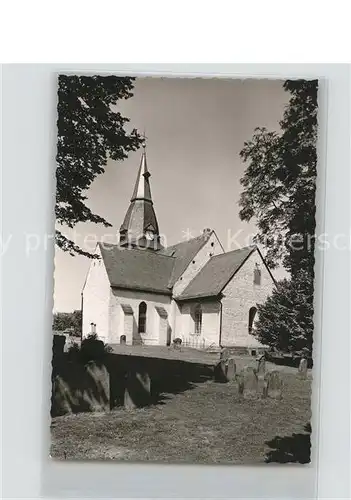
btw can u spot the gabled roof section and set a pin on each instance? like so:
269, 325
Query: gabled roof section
215, 275
183, 253
137, 269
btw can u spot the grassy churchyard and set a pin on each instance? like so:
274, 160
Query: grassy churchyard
203, 422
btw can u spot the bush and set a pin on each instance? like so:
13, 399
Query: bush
91, 349
285, 321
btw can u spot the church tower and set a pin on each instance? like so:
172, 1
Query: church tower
140, 228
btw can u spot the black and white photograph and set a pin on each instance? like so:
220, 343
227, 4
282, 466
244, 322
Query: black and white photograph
183, 318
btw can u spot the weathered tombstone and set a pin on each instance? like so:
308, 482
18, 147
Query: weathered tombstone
273, 385
302, 371
58, 345
129, 399
177, 344
240, 381
220, 372
265, 388
261, 365
224, 355
99, 389
250, 382
230, 369
137, 390
61, 397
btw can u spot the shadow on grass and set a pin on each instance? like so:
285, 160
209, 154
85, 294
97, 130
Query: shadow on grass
173, 383
295, 448
75, 390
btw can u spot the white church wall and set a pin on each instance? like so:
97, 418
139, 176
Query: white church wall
134, 298
96, 294
185, 324
210, 248
175, 320
211, 322
240, 294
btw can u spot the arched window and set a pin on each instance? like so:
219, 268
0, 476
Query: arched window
142, 317
198, 319
252, 314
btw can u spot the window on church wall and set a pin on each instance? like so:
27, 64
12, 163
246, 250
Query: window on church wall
142, 317
252, 314
198, 319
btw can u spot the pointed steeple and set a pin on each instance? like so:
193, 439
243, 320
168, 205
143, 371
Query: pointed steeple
140, 228
142, 189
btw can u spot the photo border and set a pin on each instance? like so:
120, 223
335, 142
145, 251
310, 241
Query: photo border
29, 147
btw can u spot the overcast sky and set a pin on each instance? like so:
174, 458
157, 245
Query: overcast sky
195, 129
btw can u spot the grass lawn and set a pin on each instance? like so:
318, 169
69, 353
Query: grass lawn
207, 423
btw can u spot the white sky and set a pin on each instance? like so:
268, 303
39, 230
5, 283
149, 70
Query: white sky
196, 129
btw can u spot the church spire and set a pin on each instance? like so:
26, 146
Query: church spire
140, 228
142, 187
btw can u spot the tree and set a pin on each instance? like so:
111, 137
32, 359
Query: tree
285, 320
279, 193
279, 182
64, 321
61, 321
90, 130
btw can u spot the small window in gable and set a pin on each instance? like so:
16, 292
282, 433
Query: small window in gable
257, 275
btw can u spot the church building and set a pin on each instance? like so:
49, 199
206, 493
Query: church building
139, 292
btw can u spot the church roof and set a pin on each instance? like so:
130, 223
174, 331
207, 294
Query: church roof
184, 252
148, 270
214, 276
137, 269
143, 269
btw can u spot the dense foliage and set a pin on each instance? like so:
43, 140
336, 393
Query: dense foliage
64, 321
90, 130
279, 194
286, 318
280, 181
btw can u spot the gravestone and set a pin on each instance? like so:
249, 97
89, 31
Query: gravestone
225, 370
230, 369
58, 345
273, 385
220, 372
261, 365
99, 390
250, 382
302, 371
177, 344
137, 391
240, 381
224, 356
61, 397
